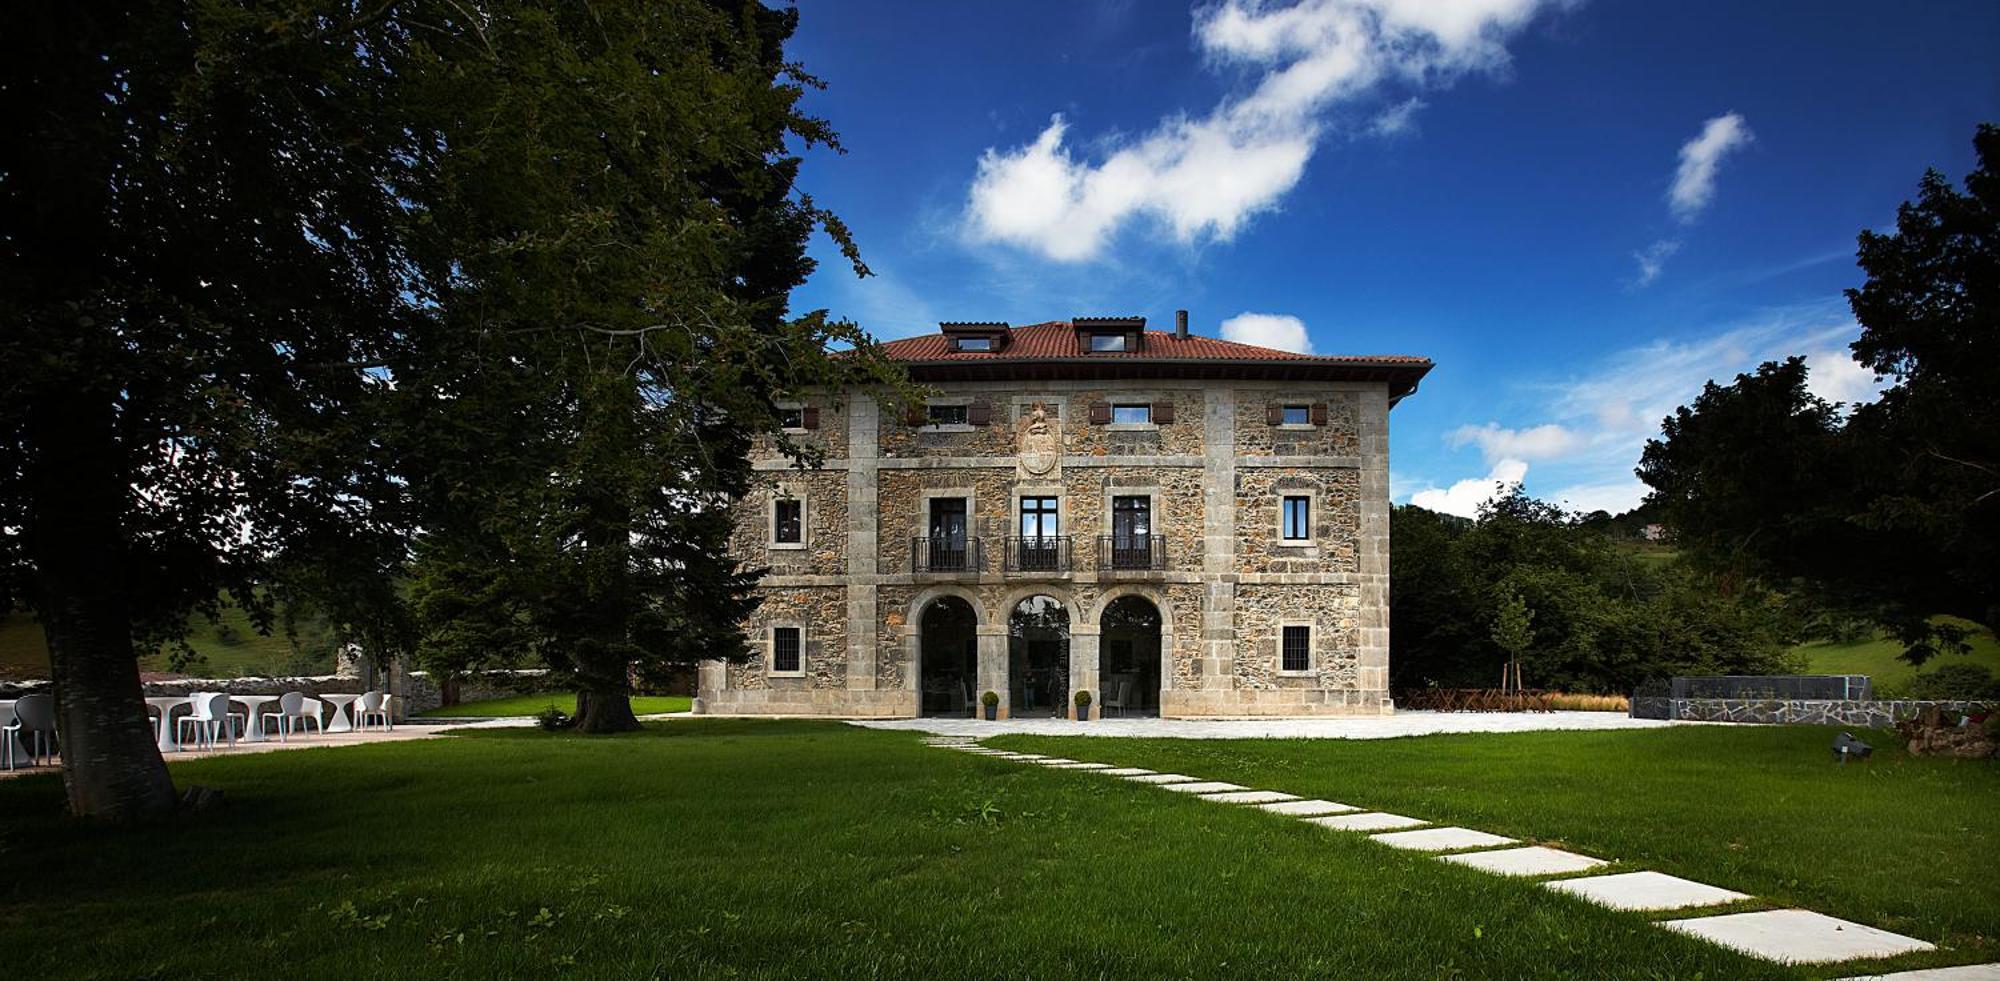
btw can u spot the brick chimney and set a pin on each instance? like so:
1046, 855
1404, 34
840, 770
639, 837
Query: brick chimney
1180, 324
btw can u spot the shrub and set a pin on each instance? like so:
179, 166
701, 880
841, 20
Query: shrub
1955, 682
1082, 698
552, 719
990, 698
1564, 702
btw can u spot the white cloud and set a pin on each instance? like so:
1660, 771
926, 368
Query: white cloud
1275, 330
1465, 497
1653, 258
1835, 376
1204, 176
1694, 179
1544, 442
1615, 496
1396, 119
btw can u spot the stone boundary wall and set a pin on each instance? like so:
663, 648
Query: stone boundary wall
1861, 714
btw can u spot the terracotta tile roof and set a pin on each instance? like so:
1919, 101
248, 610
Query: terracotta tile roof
1058, 340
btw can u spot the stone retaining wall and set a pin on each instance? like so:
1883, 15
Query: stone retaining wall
1860, 714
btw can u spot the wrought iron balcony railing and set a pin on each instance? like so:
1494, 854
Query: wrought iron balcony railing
945, 553
1132, 552
1050, 553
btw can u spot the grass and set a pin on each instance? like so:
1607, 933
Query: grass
1878, 658
229, 648
782, 849
534, 704
1900, 843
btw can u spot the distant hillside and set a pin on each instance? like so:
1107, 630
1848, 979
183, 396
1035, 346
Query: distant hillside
1877, 659
229, 648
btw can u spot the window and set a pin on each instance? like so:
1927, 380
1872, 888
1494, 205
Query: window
947, 415
975, 343
786, 650
948, 520
792, 418
1038, 517
1132, 519
1298, 415
1110, 342
1298, 519
1141, 414
1297, 655
788, 521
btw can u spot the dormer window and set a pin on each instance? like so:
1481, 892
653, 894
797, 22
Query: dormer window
1109, 335
981, 344
1103, 343
975, 336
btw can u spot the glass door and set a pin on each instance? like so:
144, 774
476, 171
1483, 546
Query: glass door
1040, 534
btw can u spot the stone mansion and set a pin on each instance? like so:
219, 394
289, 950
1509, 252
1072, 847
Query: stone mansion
1179, 525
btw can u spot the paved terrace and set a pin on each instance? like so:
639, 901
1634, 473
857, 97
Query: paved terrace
1357, 727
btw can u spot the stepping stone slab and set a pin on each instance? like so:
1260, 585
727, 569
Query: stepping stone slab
1128, 771
1796, 936
1203, 787
1307, 808
1440, 839
1532, 860
1964, 972
1163, 778
1366, 821
1645, 891
1079, 766
1029, 756
1250, 797
1053, 760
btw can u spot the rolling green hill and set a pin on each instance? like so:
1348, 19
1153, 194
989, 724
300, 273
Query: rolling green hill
1877, 659
229, 648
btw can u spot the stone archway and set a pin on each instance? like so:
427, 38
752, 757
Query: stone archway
947, 660
1131, 651
1038, 656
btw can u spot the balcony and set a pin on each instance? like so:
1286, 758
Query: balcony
1045, 554
1132, 553
946, 554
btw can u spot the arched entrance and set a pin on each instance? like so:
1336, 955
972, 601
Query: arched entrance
1038, 657
1128, 645
948, 656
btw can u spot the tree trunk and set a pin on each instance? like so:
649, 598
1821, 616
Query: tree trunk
112, 768
605, 711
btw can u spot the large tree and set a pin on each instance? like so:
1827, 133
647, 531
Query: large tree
196, 267
614, 193
1890, 511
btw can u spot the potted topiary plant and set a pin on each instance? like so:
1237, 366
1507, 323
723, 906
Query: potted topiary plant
1082, 705
992, 702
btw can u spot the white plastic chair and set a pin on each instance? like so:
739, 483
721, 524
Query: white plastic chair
291, 714
211, 717
34, 715
1124, 692
373, 705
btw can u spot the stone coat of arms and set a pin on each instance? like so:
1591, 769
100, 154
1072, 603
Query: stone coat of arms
1040, 444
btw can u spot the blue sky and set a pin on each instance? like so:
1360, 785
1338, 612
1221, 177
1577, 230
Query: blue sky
1580, 211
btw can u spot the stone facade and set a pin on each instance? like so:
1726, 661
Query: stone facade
1212, 476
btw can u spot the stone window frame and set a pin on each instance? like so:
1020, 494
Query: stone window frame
948, 427
1146, 398
771, 628
1029, 489
968, 492
1296, 427
782, 491
800, 407
1312, 648
1311, 494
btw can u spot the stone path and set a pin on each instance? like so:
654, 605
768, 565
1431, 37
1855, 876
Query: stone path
1362, 727
1790, 936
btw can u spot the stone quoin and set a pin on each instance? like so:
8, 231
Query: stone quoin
1179, 525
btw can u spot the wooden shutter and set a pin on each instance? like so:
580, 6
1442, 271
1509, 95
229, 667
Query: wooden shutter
916, 414
1100, 413
1163, 413
1274, 415
809, 417
1319, 413
979, 414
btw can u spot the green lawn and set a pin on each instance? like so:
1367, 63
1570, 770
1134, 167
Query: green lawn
1879, 660
763, 849
1899, 843
227, 649
534, 704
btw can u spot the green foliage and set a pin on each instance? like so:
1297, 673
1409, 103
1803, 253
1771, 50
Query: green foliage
1891, 512
1952, 682
989, 699
552, 719
1082, 698
1581, 611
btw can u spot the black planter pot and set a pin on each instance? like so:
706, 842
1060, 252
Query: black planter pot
992, 713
